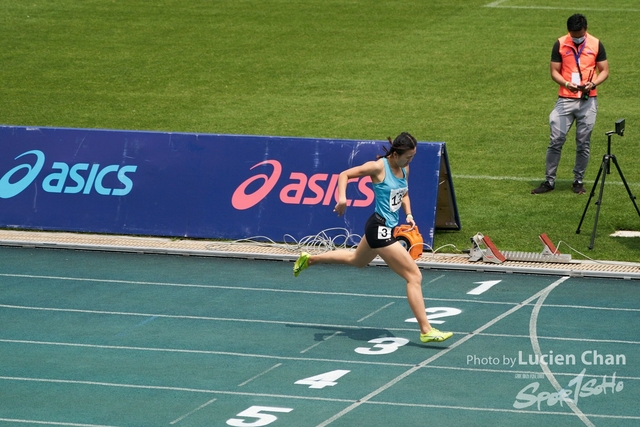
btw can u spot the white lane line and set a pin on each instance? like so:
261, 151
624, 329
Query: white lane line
269, 395
581, 339
318, 343
307, 359
513, 411
175, 316
311, 398
533, 333
194, 285
169, 388
144, 322
437, 278
204, 352
315, 325
239, 288
587, 307
177, 420
49, 423
513, 371
375, 312
277, 365
292, 291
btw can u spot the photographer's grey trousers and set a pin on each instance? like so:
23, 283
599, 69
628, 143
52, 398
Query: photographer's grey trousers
566, 111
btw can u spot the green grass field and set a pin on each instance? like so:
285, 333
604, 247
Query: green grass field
473, 76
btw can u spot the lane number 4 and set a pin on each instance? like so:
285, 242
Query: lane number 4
328, 379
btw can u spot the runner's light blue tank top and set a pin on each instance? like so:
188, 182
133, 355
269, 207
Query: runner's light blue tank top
389, 194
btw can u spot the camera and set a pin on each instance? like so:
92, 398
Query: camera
620, 127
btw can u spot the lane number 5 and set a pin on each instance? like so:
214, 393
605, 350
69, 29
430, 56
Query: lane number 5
259, 413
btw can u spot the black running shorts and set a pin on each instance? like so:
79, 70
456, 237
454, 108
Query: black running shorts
377, 233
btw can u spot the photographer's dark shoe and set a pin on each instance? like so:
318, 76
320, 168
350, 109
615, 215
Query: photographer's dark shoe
578, 188
545, 187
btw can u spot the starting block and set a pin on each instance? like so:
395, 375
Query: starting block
490, 252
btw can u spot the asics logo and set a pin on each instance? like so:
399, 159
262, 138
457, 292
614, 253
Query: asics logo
9, 189
241, 200
316, 189
78, 178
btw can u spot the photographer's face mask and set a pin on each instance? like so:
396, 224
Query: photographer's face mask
578, 36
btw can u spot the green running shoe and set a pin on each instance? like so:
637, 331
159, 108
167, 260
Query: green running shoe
301, 263
435, 335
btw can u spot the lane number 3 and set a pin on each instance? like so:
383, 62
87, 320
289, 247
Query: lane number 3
383, 345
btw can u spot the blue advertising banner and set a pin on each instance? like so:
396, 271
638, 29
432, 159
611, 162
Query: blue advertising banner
197, 185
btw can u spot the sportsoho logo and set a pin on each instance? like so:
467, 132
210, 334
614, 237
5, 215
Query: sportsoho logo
322, 186
56, 182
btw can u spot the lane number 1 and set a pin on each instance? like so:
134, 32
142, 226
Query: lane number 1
484, 287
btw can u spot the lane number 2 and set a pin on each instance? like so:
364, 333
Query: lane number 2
435, 313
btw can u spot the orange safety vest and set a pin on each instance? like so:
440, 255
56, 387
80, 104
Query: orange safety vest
588, 52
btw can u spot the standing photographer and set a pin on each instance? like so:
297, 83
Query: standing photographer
578, 65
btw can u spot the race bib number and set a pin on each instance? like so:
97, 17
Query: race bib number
384, 233
395, 199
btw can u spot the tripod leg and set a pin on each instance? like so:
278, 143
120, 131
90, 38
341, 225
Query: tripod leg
606, 165
624, 181
593, 192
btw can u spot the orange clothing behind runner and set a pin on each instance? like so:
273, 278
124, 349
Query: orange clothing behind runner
588, 57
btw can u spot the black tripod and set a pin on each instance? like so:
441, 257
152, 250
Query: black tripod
604, 170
